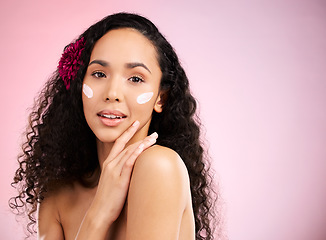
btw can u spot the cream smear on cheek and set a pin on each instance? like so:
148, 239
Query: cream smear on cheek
145, 97
87, 91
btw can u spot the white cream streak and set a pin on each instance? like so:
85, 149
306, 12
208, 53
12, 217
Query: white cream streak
87, 91
145, 97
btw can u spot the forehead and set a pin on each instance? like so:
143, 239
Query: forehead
127, 45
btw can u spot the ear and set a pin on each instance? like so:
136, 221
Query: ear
158, 107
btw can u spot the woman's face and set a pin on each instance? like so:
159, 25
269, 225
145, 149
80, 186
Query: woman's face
121, 85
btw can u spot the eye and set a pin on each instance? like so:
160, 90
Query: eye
136, 79
98, 74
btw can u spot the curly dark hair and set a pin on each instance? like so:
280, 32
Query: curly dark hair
61, 148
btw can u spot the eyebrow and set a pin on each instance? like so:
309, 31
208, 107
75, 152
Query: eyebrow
137, 64
128, 65
100, 62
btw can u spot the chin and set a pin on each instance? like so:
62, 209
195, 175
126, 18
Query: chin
107, 136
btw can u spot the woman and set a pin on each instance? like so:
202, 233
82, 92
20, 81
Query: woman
119, 82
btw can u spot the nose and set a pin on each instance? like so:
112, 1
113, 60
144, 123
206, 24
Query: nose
114, 90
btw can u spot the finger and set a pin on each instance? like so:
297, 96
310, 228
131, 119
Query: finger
150, 140
131, 153
121, 157
129, 164
125, 153
121, 141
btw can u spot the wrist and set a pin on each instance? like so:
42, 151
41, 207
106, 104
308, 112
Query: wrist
98, 218
92, 227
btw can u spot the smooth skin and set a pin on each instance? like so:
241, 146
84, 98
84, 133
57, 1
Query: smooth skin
143, 191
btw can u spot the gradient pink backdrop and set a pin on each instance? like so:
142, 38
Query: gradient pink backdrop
258, 69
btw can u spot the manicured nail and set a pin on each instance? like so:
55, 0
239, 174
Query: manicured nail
141, 146
154, 135
136, 123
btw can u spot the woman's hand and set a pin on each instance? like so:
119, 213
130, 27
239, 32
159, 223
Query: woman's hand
113, 185
116, 171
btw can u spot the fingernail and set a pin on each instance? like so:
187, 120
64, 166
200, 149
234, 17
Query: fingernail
136, 123
154, 135
141, 146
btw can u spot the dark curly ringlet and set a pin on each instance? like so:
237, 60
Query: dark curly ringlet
61, 148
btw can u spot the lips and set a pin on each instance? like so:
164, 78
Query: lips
111, 118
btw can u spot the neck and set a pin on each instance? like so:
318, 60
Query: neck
103, 151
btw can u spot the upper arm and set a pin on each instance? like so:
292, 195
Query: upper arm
157, 196
49, 227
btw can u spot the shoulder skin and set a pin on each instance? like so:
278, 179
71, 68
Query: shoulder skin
49, 226
158, 195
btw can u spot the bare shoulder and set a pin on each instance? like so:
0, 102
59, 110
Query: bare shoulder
161, 160
159, 194
160, 169
49, 223
62, 210
47, 206
53, 199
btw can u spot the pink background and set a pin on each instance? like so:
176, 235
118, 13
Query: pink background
258, 69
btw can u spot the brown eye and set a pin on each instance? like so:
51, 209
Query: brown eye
136, 79
98, 74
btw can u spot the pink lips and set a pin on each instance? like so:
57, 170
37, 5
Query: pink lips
111, 118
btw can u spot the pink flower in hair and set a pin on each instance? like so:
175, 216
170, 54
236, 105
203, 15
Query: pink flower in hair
70, 61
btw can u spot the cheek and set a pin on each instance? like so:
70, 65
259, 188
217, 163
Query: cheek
88, 91
90, 99
144, 97
141, 104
